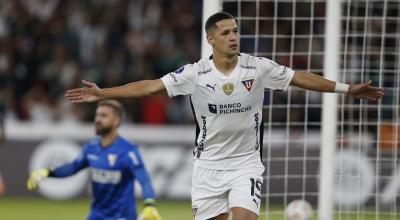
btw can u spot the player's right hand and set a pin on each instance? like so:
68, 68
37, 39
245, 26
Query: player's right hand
36, 176
149, 211
89, 93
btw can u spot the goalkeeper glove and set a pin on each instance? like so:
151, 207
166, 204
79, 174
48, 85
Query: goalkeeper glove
36, 176
150, 212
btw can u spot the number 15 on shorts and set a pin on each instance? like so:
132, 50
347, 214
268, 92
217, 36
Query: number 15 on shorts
255, 190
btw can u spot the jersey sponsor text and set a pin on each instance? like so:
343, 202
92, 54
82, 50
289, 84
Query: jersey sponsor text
106, 176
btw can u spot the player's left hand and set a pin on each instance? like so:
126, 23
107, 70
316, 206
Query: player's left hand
150, 211
366, 91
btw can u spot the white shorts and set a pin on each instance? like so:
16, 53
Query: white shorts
217, 191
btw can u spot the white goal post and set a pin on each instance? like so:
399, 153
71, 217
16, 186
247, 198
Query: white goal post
329, 110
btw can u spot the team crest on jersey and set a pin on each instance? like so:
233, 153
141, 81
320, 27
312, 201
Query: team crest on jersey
228, 88
111, 159
248, 84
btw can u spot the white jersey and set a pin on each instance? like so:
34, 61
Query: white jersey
228, 109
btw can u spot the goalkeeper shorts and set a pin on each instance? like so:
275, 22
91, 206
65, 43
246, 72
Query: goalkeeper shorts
218, 191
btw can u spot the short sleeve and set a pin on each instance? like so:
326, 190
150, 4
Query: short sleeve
274, 76
180, 82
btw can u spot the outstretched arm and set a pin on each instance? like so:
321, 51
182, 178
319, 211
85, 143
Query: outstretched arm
317, 83
62, 171
69, 168
92, 93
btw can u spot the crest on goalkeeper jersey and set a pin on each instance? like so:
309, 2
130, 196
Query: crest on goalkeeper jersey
248, 84
111, 159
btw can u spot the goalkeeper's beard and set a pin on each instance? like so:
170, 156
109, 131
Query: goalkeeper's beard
103, 131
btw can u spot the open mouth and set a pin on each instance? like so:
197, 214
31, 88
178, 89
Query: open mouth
233, 46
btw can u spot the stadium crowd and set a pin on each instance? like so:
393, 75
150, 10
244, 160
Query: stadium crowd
48, 46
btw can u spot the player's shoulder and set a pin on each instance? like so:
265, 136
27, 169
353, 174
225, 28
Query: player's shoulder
129, 151
126, 145
198, 68
203, 65
94, 142
247, 60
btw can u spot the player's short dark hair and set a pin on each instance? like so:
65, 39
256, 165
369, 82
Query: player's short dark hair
210, 23
115, 105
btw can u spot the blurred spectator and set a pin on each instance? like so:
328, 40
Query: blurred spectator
48, 46
41, 9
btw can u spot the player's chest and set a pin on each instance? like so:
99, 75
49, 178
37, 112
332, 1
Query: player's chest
105, 160
239, 86
105, 168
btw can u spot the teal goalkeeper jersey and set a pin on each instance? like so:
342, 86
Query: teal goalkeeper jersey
113, 170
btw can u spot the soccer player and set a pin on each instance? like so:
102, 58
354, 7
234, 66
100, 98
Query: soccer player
114, 164
226, 91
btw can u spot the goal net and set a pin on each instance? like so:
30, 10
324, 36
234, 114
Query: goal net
366, 170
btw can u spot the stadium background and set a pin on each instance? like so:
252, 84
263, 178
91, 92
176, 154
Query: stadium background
47, 47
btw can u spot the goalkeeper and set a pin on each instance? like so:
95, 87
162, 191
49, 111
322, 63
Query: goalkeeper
114, 164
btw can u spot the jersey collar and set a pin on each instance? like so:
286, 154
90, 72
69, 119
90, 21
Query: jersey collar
219, 73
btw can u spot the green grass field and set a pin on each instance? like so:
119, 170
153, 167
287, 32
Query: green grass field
43, 209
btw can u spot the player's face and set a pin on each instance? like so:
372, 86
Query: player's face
106, 120
225, 37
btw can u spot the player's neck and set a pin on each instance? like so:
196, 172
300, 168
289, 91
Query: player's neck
225, 64
108, 139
